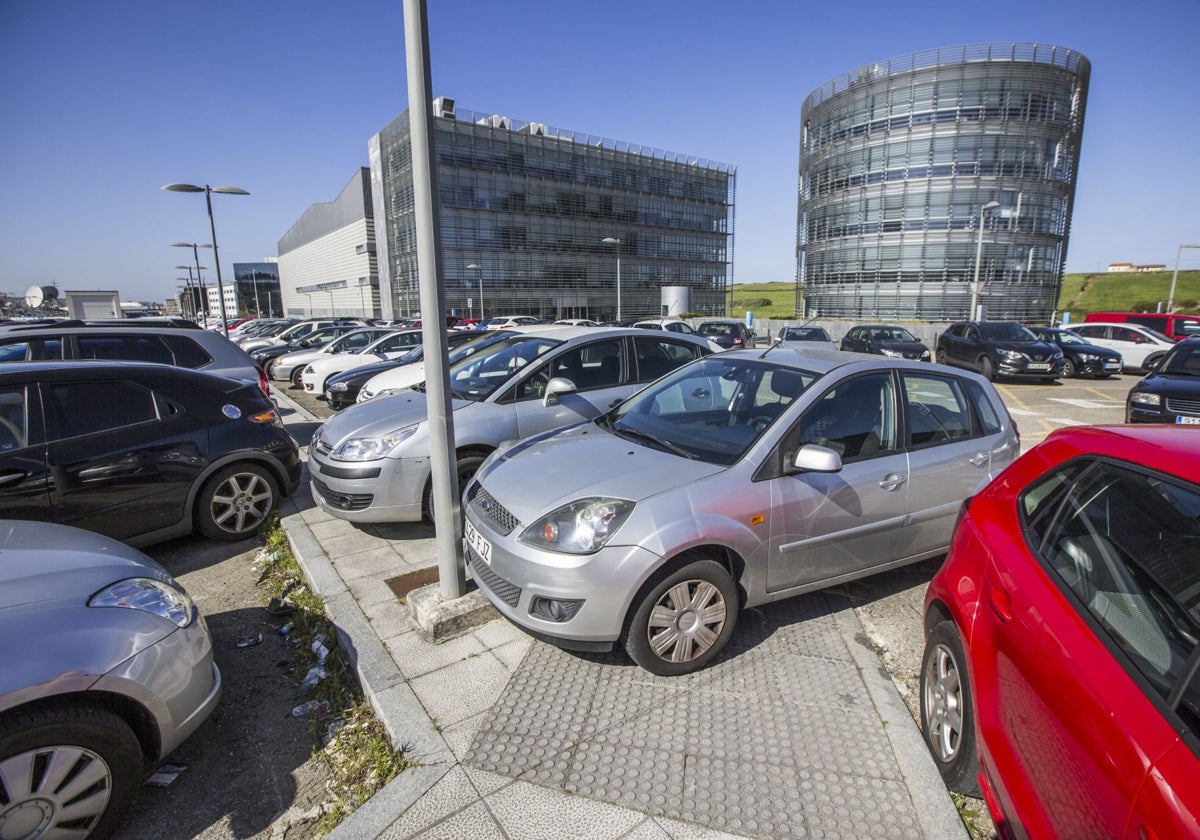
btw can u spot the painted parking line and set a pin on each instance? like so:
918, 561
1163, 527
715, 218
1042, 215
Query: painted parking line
1109, 403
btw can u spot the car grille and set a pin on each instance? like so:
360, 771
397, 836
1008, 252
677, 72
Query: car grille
486, 505
1178, 406
320, 445
342, 501
483, 574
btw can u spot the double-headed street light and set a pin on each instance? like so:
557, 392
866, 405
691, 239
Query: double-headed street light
991, 205
610, 240
208, 191
479, 268
1175, 275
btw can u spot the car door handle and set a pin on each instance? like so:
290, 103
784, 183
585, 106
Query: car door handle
979, 459
892, 481
11, 477
1001, 603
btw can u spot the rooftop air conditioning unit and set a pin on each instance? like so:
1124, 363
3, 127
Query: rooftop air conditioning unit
443, 106
534, 128
497, 121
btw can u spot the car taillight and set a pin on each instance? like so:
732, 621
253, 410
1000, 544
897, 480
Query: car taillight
737, 341
263, 382
270, 416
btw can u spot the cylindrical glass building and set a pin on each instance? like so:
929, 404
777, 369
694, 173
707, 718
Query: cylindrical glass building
940, 179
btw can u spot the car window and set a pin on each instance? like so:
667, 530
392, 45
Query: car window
477, 376
596, 364
985, 410
141, 348
856, 418
32, 350
188, 353
936, 408
657, 356
14, 422
400, 341
1183, 360
84, 408
1127, 544
1126, 334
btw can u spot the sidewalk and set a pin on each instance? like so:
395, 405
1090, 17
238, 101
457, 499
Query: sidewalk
796, 731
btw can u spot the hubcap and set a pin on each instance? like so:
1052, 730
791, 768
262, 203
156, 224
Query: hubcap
687, 621
943, 704
241, 503
52, 792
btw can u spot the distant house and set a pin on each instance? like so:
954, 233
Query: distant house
1136, 268
1120, 266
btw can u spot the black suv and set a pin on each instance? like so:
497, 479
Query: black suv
999, 348
140, 452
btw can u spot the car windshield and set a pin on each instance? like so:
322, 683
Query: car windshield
893, 334
1066, 337
485, 368
1182, 361
804, 334
718, 329
1005, 331
712, 409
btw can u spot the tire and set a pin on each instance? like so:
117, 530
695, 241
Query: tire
1069, 369
653, 637
941, 357
235, 502
468, 462
948, 710
986, 370
298, 377
93, 741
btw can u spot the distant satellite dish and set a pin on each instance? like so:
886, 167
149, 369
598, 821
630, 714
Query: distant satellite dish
35, 296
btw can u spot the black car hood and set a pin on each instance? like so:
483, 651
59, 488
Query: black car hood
1090, 349
906, 347
1170, 385
1039, 351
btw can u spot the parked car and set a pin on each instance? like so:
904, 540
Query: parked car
190, 348
267, 330
668, 324
999, 348
290, 366
885, 340
805, 338
390, 345
140, 452
343, 389
108, 668
390, 382
728, 334
506, 322
1140, 347
739, 479
264, 356
1170, 393
576, 322
1173, 325
298, 331
371, 462
1079, 357
1059, 673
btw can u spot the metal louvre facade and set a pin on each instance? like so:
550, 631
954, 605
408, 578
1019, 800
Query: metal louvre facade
899, 163
525, 209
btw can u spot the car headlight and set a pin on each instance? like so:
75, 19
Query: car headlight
308, 369
338, 386
147, 595
1011, 355
372, 448
1142, 398
1088, 357
895, 354
925, 356
581, 527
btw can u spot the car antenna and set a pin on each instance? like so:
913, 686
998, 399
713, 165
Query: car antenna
779, 340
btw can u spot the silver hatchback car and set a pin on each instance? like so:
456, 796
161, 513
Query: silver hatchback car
742, 478
371, 462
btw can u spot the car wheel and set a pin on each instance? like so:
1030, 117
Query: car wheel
1069, 369
985, 368
941, 357
70, 770
236, 501
468, 462
947, 711
298, 377
683, 620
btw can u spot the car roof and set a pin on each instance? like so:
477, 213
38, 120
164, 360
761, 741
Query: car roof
821, 361
73, 327
88, 369
1169, 449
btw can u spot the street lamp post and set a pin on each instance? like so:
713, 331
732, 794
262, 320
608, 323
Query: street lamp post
1175, 275
609, 240
212, 227
199, 279
991, 205
185, 295
479, 268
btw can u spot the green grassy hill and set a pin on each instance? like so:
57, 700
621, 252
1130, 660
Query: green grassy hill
1081, 294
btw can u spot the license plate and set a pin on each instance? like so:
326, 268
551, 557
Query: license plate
477, 541
1039, 366
1111, 365
1187, 421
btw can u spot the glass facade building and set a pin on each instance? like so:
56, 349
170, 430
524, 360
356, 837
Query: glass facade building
257, 288
911, 168
525, 212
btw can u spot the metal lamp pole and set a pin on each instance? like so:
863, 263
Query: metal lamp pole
1175, 275
609, 240
991, 205
212, 227
479, 268
199, 280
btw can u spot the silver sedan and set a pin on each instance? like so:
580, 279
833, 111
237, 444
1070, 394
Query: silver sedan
739, 479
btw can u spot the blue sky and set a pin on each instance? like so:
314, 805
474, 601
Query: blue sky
104, 103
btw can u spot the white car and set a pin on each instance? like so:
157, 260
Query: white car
295, 332
290, 366
1140, 347
510, 322
805, 338
391, 345
669, 324
576, 322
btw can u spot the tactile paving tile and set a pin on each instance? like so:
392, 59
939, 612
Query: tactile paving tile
777, 738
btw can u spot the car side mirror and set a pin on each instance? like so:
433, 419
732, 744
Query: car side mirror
555, 387
813, 458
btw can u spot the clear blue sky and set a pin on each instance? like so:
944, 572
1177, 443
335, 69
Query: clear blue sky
104, 102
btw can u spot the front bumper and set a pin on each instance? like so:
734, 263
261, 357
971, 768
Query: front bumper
1172, 411
386, 490
1102, 367
1026, 370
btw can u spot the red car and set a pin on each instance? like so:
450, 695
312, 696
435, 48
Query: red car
1060, 671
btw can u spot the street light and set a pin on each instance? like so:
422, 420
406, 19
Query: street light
609, 240
199, 278
208, 191
991, 205
188, 279
479, 268
1175, 275
186, 303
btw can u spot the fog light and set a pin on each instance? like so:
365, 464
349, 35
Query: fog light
557, 610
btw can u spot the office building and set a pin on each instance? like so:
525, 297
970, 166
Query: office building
256, 288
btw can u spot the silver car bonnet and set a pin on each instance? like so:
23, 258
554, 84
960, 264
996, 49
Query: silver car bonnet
376, 417
532, 479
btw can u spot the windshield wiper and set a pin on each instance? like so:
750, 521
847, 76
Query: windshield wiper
625, 431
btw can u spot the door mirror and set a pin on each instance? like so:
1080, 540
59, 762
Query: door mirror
814, 458
555, 387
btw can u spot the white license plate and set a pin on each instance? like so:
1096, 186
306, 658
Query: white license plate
1038, 366
1187, 421
477, 541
